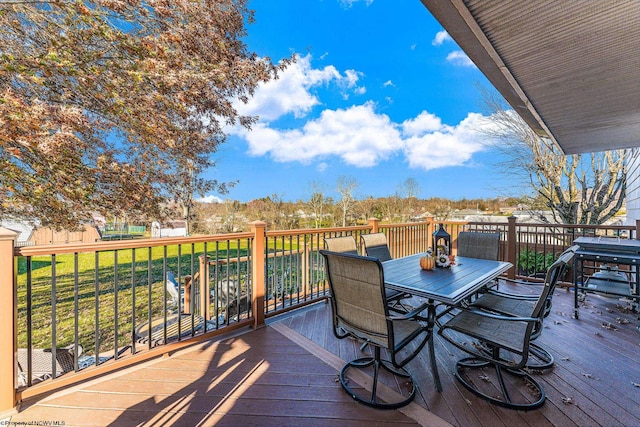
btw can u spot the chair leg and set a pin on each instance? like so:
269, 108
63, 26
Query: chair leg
372, 399
504, 399
539, 358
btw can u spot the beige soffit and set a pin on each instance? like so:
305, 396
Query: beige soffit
570, 68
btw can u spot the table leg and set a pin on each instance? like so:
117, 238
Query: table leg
431, 320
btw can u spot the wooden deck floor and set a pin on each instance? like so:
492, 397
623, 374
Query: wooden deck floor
595, 381
285, 374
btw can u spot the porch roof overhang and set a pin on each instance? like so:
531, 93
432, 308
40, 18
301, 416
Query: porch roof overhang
571, 70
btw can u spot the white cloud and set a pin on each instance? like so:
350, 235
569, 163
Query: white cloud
430, 148
351, 78
210, 199
363, 138
424, 123
358, 135
441, 37
348, 3
458, 57
292, 93
388, 83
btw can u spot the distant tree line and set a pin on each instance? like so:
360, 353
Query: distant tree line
325, 211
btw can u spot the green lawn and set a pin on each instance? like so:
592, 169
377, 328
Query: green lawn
111, 289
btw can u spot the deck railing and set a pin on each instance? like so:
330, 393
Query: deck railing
109, 304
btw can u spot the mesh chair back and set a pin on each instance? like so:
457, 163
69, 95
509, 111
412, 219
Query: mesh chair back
357, 290
478, 245
344, 244
554, 274
375, 245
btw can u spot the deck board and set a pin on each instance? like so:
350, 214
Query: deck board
592, 383
258, 378
285, 374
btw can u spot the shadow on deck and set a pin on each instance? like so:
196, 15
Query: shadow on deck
286, 374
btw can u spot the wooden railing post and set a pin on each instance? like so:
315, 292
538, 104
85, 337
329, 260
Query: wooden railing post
258, 229
8, 321
638, 229
374, 224
511, 247
204, 286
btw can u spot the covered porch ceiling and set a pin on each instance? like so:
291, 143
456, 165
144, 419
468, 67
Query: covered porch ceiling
571, 69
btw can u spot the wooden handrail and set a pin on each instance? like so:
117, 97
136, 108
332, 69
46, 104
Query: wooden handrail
124, 244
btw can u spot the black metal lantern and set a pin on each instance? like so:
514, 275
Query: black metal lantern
441, 241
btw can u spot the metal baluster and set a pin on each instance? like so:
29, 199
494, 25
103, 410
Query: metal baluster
217, 287
133, 302
150, 295
164, 294
29, 323
96, 337
53, 316
179, 282
115, 304
250, 278
75, 311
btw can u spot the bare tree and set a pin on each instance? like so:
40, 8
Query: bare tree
442, 210
345, 187
391, 207
408, 192
317, 203
231, 220
366, 208
577, 189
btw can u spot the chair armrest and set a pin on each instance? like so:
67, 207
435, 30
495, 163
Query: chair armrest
523, 284
527, 297
412, 314
484, 313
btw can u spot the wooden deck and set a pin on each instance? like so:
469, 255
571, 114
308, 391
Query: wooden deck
285, 374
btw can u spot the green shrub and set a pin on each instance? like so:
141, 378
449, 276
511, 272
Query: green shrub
532, 263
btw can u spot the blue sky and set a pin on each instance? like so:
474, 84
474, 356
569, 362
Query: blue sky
379, 94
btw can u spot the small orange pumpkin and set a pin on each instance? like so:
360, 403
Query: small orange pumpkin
427, 263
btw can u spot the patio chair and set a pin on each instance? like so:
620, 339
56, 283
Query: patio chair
474, 244
521, 303
375, 245
505, 343
342, 244
360, 311
173, 289
42, 363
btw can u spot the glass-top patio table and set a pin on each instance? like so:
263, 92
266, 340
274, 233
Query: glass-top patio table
449, 285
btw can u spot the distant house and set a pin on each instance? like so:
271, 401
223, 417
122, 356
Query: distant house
176, 228
24, 230
34, 235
